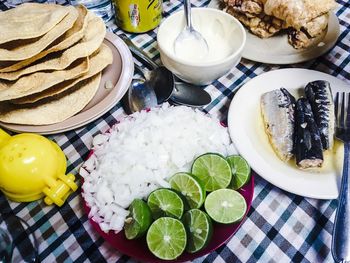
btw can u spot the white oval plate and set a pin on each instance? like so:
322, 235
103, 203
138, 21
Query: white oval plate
277, 50
247, 132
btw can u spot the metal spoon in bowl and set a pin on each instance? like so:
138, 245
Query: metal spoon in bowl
180, 92
190, 40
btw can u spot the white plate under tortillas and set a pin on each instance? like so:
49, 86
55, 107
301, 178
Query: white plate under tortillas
119, 74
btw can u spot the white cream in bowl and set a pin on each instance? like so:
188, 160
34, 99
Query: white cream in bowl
225, 37
214, 32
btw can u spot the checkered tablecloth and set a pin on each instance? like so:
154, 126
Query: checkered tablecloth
280, 227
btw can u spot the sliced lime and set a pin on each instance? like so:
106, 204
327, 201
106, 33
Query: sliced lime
189, 187
199, 229
139, 219
240, 171
213, 170
165, 202
225, 206
166, 238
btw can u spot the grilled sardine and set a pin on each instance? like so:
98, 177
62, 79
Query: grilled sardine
308, 145
277, 108
320, 97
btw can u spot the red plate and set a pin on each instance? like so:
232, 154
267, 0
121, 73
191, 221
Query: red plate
138, 249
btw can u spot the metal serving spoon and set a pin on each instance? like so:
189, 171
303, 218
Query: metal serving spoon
189, 95
189, 37
142, 92
181, 93
141, 95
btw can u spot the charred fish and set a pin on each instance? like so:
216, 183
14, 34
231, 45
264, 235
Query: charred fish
308, 145
320, 97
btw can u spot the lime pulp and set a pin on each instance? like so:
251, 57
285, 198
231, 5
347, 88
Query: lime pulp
199, 229
240, 171
165, 202
213, 170
225, 206
189, 187
166, 238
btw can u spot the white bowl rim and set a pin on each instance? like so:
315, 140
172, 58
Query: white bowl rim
205, 64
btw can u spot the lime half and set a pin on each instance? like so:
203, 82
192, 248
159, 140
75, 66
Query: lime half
225, 206
199, 229
240, 171
166, 238
189, 187
139, 219
213, 170
165, 202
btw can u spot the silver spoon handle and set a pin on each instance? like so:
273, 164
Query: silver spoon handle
341, 230
139, 53
139, 69
143, 71
187, 7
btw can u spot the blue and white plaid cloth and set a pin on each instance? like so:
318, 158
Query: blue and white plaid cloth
280, 227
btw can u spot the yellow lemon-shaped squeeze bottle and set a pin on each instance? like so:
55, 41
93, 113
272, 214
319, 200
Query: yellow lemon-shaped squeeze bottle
32, 167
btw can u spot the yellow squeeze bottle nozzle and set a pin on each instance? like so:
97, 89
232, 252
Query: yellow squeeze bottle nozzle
59, 190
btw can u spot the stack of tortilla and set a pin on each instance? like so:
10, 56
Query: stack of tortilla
51, 59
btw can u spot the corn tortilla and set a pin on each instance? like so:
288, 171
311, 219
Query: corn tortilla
68, 39
53, 111
40, 81
32, 19
98, 62
91, 41
20, 49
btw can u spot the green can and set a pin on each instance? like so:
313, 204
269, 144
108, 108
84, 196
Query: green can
138, 16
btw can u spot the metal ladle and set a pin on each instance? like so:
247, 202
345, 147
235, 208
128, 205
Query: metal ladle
180, 92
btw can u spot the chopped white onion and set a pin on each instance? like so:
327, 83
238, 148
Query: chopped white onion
139, 155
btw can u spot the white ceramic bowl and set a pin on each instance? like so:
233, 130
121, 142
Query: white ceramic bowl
218, 28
